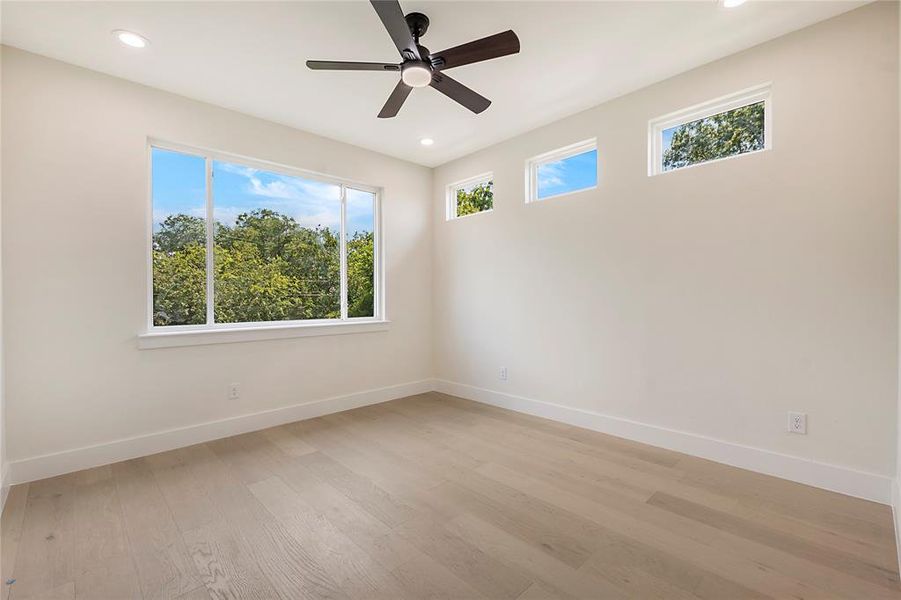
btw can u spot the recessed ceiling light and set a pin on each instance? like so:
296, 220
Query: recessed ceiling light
426, 141
732, 3
131, 39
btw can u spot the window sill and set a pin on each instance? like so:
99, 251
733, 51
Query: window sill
253, 333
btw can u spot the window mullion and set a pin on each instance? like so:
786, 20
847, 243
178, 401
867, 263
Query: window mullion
343, 252
210, 300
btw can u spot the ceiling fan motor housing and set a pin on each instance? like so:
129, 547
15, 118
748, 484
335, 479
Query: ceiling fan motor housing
418, 24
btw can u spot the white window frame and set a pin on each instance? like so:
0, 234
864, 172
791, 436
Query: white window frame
563, 153
157, 336
746, 97
451, 192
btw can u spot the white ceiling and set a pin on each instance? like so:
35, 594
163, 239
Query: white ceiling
249, 56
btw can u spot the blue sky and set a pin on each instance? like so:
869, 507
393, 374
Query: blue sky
668, 137
179, 187
567, 175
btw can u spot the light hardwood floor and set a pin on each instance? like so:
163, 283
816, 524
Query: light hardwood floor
436, 497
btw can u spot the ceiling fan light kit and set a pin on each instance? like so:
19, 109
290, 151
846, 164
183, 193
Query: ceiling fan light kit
421, 68
416, 74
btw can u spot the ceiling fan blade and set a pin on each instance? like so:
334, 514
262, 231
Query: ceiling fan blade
395, 100
392, 17
493, 46
335, 65
458, 92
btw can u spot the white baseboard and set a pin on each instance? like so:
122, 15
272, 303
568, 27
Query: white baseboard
870, 486
860, 484
59, 463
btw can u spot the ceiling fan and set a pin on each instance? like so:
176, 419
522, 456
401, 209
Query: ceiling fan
421, 68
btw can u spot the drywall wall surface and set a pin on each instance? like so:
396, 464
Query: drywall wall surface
710, 300
75, 210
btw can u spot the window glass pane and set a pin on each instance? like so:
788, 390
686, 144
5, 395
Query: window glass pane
475, 198
178, 184
276, 246
718, 136
360, 253
568, 175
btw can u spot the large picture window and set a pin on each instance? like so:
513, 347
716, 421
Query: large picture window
722, 128
240, 242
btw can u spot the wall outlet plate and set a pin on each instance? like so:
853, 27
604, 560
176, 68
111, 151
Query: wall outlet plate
234, 391
502, 374
797, 422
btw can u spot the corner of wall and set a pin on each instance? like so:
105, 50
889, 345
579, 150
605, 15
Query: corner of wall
4, 465
896, 484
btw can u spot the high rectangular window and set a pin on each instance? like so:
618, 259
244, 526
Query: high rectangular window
723, 128
237, 242
567, 170
470, 196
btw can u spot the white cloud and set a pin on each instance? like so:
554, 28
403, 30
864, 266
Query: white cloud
237, 169
308, 202
550, 174
283, 187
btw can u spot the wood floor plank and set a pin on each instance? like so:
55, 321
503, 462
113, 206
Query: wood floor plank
438, 497
200, 593
45, 561
567, 537
594, 478
11, 530
372, 535
384, 506
785, 574
65, 591
288, 441
223, 565
424, 578
358, 575
164, 568
212, 540
187, 498
480, 570
379, 464
103, 564
648, 572
542, 567
291, 570
823, 555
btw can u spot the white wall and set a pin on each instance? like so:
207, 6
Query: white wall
711, 300
896, 488
74, 251
4, 484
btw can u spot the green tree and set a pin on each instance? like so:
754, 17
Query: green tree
266, 229
179, 286
177, 232
252, 289
477, 199
267, 267
718, 136
292, 270
360, 271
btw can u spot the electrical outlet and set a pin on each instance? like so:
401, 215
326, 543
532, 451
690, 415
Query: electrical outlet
502, 374
797, 422
234, 391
